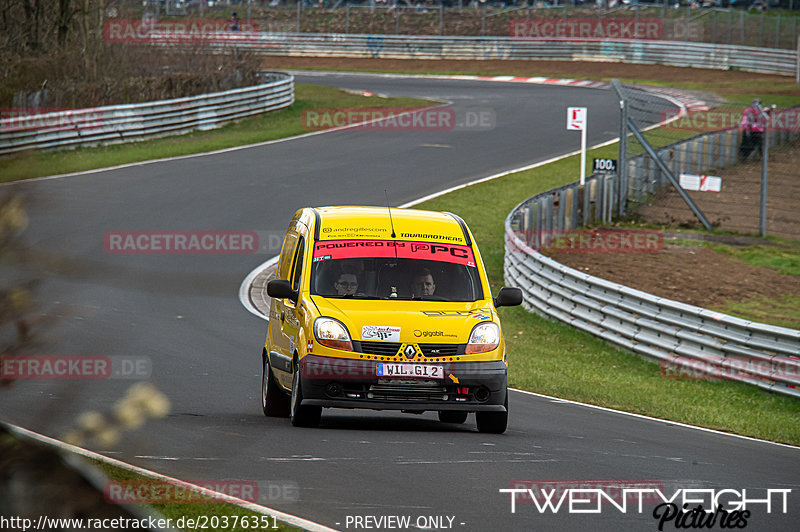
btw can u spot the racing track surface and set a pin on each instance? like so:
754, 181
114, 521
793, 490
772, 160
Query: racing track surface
182, 313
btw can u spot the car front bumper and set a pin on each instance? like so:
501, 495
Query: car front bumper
349, 383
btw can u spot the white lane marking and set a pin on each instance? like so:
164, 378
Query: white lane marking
244, 288
665, 421
300, 459
281, 516
477, 461
176, 458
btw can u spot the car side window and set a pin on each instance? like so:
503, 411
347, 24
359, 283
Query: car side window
298, 264
287, 255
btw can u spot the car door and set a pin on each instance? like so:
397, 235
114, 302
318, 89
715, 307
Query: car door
285, 322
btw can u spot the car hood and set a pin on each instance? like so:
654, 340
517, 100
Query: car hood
406, 321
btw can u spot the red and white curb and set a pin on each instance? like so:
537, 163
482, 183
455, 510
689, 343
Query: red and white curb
687, 102
538, 80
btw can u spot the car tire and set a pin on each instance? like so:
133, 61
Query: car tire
452, 416
493, 422
302, 416
274, 402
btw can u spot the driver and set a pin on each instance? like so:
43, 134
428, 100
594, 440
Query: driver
423, 283
346, 284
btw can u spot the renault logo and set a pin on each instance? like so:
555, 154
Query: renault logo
410, 351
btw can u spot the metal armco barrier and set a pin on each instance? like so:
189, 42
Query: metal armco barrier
671, 53
671, 332
123, 123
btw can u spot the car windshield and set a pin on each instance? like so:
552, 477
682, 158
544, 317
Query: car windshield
389, 269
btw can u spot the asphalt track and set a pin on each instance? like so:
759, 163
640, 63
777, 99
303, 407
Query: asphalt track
181, 313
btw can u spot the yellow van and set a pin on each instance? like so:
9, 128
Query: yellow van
384, 309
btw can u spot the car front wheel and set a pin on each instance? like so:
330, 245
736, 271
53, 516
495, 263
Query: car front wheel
302, 416
274, 402
493, 422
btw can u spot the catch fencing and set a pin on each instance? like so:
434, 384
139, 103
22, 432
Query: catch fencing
124, 123
710, 25
668, 331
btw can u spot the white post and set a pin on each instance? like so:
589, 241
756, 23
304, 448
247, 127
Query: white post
583, 154
797, 78
577, 117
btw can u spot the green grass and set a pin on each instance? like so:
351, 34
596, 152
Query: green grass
556, 359
268, 126
783, 312
779, 254
783, 255
198, 511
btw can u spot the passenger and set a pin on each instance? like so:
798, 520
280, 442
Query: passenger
423, 283
346, 284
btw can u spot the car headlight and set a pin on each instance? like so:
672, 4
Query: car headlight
485, 337
332, 333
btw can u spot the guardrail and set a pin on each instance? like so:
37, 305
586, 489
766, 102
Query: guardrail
668, 331
671, 53
123, 123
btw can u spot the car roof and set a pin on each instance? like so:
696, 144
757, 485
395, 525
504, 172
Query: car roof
374, 223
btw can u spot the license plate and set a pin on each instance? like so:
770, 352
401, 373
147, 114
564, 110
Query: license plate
410, 371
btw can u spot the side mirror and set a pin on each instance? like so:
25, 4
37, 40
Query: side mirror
509, 296
281, 289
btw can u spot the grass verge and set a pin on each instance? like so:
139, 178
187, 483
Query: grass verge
268, 126
783, 255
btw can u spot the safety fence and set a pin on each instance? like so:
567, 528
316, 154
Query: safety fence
123, 123
545, 19
683, 54
666, 330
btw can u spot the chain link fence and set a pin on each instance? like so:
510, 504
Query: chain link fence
723, 181
521, 19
